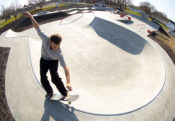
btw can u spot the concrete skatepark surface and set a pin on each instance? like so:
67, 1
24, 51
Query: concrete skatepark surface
118, 71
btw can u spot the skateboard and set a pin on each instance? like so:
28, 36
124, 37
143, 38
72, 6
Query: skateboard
59, 97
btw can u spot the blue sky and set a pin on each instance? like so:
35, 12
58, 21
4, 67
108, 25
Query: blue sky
165, 6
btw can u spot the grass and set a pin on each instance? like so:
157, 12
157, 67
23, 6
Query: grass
132, 12
12, 19
63, 5
149, 19
4, 23
1, 21
49, 7
37, 10
169, 41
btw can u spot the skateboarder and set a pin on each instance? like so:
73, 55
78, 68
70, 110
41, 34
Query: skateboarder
51, 55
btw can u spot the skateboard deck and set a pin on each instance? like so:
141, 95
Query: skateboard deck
73, 97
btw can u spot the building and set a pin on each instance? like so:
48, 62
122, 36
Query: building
171, 25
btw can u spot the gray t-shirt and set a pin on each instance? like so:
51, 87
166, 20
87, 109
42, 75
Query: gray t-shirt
47, 53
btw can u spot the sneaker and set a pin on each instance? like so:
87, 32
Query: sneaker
67, 97
48, 95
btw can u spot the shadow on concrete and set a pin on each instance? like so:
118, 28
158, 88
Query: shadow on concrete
58, 111
128, 22
71, 21
119, 36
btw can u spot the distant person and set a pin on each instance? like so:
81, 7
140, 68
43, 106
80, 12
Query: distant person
51, 55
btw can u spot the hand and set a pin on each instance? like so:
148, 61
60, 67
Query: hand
69, 86
28, 14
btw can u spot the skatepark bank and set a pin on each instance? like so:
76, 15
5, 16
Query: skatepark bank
140, 59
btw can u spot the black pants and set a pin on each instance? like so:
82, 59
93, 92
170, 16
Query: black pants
51, 65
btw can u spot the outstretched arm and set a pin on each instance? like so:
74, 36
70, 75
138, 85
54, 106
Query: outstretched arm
34, 22
66, 69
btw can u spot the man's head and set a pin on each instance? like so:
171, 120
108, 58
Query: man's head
55, 41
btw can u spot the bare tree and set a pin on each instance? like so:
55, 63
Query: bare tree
41, 3
124, 3
151, 10
9, 11
160, 16
147, 7
6, 12
14, 7
3, 12
33, 1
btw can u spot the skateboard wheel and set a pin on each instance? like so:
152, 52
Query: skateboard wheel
69, 103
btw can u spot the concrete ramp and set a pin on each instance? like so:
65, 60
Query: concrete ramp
11, 33
116, 69
24, 95
109, 64
20, 83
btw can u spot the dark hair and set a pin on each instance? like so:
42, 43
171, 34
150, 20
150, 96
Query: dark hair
56, 38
